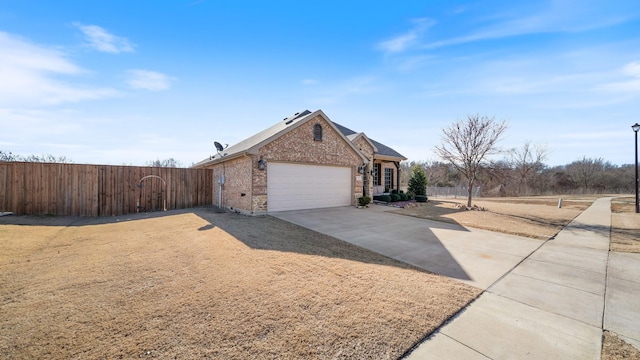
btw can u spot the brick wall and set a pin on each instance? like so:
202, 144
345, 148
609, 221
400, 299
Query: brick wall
237, 173
298, 146
367, 150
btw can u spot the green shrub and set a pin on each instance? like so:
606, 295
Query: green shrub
421, 198
385, 198
364, 201
394, 191
395, 197
418, 181
403, 197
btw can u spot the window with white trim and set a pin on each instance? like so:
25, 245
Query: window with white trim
377, 172
388, 178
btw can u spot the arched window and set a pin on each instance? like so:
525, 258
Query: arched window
317, 132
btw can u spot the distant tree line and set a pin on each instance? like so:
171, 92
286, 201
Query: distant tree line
467, 149
171, 162
509, 178
48, 158
44, 158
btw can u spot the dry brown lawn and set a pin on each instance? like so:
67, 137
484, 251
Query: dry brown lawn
196, 284
625, 225
535, 217
614, 348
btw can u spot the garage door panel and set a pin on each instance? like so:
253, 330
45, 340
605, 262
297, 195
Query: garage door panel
295, 186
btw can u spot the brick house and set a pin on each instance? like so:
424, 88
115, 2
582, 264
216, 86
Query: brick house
305, 161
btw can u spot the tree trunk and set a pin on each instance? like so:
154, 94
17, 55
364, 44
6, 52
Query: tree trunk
470, 192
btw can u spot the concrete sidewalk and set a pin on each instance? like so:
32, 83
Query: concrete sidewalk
552, 305
622, 303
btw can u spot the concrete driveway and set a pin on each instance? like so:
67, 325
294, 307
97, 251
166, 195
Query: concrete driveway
476, 257
543, 300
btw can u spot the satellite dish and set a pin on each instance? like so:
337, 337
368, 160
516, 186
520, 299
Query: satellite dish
220, 148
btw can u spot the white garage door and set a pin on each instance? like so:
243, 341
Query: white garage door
295, 187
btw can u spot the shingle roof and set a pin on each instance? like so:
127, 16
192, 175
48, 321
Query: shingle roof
381, 148
248, 143
266, 135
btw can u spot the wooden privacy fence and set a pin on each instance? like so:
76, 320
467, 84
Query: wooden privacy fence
99, 190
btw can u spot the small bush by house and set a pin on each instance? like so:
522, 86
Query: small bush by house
364, 201
385, 198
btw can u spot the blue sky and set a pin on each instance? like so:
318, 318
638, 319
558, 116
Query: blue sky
126, 82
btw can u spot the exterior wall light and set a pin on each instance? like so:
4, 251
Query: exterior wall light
261, 163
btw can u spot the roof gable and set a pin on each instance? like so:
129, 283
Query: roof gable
252, 144
354, 137
380, 149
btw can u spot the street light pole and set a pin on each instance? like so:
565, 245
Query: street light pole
635, 128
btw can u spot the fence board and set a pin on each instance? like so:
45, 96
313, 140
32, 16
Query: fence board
19, 178
59, 191
3, 189
98, 190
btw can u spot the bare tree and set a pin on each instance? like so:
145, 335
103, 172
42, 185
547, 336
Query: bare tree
8, 156
527, 161
586, 171
171, 162
48, 158
466, 144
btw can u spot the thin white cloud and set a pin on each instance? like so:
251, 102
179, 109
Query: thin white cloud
101, 40
309, 81
412, 63
400, 43
558, 16
30, 75
352, 87
594, 135
403, 42
632, 85
27, 128
632, 69
149, 80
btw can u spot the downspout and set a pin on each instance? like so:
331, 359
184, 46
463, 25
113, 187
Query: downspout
221, 180
213, 186
251, 208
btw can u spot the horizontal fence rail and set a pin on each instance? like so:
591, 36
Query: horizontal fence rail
99, 190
